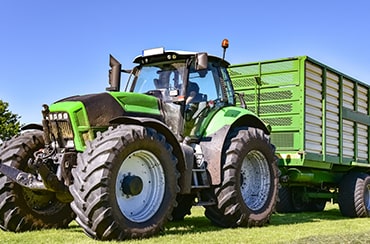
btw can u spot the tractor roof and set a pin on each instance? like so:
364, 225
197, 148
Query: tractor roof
160, 55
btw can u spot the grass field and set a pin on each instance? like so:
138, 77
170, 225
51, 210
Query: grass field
324, 227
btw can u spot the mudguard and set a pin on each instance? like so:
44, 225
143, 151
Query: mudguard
216, 131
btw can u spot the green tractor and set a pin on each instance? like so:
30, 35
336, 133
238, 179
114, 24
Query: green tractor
123, 163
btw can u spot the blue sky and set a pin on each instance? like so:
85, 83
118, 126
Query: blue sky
54, 49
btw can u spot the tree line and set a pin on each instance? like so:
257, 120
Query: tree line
9, 122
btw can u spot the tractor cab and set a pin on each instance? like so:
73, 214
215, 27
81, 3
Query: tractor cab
187, 85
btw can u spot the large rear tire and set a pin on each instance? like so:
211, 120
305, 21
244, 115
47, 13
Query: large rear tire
248, 192
354, 195
22, 209
125, 184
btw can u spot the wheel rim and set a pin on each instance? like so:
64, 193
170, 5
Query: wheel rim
367, 197
255, 180
146, 178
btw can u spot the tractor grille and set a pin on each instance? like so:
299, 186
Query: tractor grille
60, 128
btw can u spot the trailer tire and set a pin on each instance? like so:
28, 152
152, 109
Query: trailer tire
354, 195
22, 209
183, 208
249, 188
125, 184
284, 203
316, 205
291, 200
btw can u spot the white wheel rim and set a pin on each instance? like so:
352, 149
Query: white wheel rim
255, 180
367, 197
146, 166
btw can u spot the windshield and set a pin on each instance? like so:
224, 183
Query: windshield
165, 80
163, 77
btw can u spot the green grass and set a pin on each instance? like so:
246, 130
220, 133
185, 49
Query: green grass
325, 227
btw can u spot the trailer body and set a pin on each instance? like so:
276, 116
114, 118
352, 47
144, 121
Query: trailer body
319, 119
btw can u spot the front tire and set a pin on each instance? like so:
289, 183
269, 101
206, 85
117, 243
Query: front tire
125, 184
23, 209
248, 191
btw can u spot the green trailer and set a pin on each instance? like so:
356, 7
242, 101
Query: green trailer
320, 121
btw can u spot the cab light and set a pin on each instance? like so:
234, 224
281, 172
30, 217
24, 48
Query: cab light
153, 51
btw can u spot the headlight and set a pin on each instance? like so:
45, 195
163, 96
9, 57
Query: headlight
57, 116
70, 144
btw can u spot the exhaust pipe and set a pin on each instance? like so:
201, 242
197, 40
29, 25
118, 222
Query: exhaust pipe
114, 74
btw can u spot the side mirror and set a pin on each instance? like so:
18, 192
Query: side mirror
114, 74
201, 61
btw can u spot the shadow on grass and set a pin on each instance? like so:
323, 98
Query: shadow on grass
191, 224
305, 217
200, 224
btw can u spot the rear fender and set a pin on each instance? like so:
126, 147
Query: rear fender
212, 144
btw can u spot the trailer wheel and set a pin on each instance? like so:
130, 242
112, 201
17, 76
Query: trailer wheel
248, 191
22, 209
354, 195
183, 208
285, 204
292, 200
125, 184
316, 205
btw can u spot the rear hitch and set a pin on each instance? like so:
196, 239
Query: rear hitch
22, 178
49, 182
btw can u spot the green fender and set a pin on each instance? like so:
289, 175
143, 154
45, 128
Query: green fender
216, 131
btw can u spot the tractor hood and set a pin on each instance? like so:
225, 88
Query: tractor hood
101, 108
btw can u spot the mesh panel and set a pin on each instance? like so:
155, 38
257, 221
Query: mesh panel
242, 70
278, 95
243, 82
278, 79
278, 66
278, 108
283, 140
249, 97
279, 121
269, 96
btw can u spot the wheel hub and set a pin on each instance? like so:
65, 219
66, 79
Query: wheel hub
140, 186
132, 185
